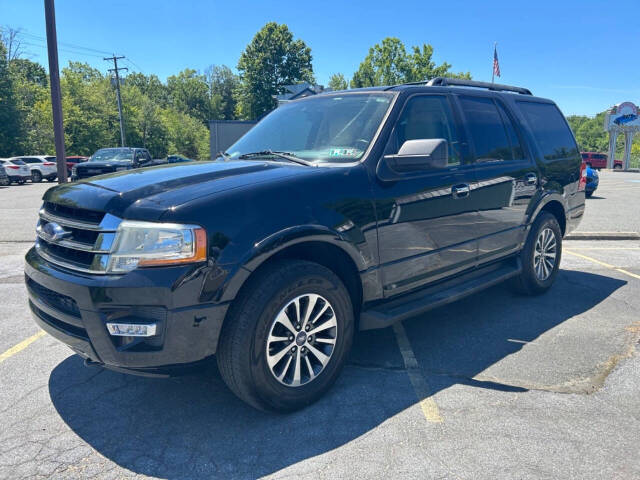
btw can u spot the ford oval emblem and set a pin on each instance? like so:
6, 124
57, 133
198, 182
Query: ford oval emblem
54, 232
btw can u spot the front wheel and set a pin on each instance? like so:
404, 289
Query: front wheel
287, 336
36, 176
540, 256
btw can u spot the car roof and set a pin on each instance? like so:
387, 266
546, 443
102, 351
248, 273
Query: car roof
447, 85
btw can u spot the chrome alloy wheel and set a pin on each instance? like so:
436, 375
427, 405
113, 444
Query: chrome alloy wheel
545, 254
301, 340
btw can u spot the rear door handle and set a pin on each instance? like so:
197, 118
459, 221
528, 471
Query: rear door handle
459, 191
532, 179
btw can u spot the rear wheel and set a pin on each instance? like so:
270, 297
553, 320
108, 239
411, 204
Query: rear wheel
286, 338
36, 176
588, 194
617, 166
540, 256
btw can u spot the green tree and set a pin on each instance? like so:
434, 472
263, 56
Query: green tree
186, 135
272, 60
337, 82
189, 93
388, 63
223, 84
10, 121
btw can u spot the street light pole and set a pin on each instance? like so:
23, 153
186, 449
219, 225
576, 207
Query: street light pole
56, 97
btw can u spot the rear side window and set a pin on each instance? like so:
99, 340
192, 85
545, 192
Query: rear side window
17, 162
550, 130
487, 129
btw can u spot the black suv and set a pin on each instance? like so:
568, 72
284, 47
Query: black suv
340, 212
107, 160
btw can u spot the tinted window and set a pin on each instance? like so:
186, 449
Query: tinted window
487, 129
516, 146
426, 117
17, 162
550, 130
30, 160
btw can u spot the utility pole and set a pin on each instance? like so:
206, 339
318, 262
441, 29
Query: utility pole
56, 101
116, 69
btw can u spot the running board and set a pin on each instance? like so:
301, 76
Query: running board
386, 314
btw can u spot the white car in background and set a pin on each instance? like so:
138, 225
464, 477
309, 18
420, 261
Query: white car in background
41, 167
16, 170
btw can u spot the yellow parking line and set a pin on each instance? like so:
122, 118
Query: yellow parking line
21, 346
621, 270
428, 405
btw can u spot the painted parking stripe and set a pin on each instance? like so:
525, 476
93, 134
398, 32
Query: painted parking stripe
21, 346
428, 405
621, 270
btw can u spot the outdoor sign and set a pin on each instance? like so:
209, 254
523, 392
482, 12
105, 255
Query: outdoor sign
621, 119
622, 115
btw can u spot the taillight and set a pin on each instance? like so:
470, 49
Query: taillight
13, 167
48, 164
583, 177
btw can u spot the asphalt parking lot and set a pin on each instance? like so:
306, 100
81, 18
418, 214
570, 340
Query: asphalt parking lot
494, 386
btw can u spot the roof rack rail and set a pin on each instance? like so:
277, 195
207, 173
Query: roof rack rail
458, 82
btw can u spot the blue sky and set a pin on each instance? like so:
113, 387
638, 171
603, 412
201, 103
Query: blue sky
579, 53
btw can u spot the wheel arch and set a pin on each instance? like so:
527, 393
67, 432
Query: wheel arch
553, 204
315, 244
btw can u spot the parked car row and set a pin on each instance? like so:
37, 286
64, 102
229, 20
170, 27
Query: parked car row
106, 160
34, 167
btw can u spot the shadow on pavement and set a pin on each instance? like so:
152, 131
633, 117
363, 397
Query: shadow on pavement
192, 426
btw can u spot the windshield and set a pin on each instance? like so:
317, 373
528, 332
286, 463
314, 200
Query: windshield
324, 128
112, 155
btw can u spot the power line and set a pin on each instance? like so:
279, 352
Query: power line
72, 45
66, 50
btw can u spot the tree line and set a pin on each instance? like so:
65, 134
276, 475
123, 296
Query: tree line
173, 116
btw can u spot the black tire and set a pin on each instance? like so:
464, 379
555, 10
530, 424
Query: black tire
242, 348
21, 182
617, 167
588, 194
528, 282
36, 176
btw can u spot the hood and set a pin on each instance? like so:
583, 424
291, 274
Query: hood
149, 192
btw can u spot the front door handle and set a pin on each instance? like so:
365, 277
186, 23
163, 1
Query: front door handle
459, 191
531, 178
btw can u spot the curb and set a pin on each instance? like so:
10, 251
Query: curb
603, 236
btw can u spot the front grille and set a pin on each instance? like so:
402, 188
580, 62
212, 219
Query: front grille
74, 213
86, 172
55, 300
74, 238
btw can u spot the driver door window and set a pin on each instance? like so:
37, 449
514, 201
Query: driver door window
427, 117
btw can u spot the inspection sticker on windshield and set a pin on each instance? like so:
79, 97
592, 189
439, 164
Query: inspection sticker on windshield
344, 152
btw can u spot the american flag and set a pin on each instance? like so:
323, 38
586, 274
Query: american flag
496, 65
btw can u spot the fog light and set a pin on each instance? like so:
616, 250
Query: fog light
131, 329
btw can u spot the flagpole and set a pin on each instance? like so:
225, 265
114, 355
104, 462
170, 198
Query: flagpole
493, 68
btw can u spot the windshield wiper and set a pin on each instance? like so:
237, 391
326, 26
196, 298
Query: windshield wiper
225, 156
286, 155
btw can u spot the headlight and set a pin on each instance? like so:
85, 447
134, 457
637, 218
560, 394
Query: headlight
148, 244
74, 170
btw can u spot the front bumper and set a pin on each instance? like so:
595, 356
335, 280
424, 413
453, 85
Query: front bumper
75, 308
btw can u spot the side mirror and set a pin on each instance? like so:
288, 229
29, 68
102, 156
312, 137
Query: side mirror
420, 155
